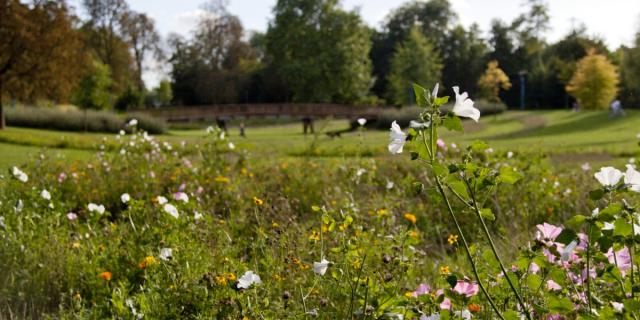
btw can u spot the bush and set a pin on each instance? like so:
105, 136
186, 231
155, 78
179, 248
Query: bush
74, 120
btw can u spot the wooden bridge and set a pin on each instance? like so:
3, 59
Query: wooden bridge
243, 111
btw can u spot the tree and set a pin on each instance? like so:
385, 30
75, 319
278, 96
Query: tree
595, 81
464, 58
141, 35
40, 51
321, 52
105, 38
414, 61
492, 81
630, 73
93, 90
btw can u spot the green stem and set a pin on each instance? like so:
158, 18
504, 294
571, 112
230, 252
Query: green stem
588, 280
495, 252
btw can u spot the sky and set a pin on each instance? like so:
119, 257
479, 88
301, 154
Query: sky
615, 21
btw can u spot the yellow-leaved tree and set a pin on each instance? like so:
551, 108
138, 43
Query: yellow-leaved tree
595, 82
492, 81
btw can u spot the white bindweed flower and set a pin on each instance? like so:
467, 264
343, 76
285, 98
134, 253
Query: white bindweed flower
95, 208
397, 138
125, 197
45, 194
171, 209
362, 121
608, 176
632, 178
161, 200
19, 174
133, 122
321, 267
166, 254
464, 106
248, 278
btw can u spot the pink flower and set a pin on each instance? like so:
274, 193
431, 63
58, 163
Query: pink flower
467, 289
534, 268
553, 286
547, 232
446, 304
555, 316
72, 216
61, 177
622, 259
550, 256
441, 144
422, 289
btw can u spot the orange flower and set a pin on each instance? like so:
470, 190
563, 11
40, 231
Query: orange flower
105, 275
474, 308
410, 217
147, 262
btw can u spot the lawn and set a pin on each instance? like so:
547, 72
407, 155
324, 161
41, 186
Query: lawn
565, 135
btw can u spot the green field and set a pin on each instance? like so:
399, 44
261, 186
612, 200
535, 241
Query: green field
566, 135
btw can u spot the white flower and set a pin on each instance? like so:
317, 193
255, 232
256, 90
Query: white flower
466, 314
362, 121
210, 129
247, 279
566, 253
171, 209
419, 125
19, 205
161, 200
45, 194
397, 138
608, 226
122, 133
586, 167
434, 93
434, 316
181, 196
95, 208
389, 185
595, 212
197, 215
608, 176
617, 306
321, 267
231, 146
632, 178
509, 154
464, 106
133, 122
19, 174
360, 172
166, 254
125, 197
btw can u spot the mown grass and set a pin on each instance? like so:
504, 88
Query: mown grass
568, 135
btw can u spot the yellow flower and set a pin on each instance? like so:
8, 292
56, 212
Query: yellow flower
149, 260
222, 179
304, 266
382, 212
408, 294
413, 234
410, 217
445, 270
244, 170
315, 235
229, 276
277, 277
274, 224
221, 280
453, 239
258, 201
105, 275
75, 245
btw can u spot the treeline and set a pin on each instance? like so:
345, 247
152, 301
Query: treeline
312, 51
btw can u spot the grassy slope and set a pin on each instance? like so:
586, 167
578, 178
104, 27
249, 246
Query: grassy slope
556, 132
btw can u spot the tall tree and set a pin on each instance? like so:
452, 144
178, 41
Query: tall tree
40, 51
415, 61
464, 58
595, 81
104, 36
630, 73
492, 81
140, 33
321, 51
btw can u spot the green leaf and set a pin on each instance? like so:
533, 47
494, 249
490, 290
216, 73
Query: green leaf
479, 146
415, 155
596, 195
560, 304
608, 213
576, 221
452, 280
487, 214
622, 228
420, 94
440, 170
511, 315
533, 281
441, 100
459, 187
566, 236
509, 175
631, 305
452, 123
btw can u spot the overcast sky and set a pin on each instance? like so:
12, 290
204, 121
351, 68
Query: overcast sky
615, 21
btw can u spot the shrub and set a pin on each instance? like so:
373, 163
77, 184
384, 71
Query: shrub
595, 82
73, 120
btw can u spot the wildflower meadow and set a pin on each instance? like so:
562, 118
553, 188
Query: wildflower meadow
207, 230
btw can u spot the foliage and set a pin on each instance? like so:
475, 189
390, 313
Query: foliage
70, 120
415, 60
630, 74
93, 91
595, 82
160, 96
320, 52
141, 34
492, 81
129, 99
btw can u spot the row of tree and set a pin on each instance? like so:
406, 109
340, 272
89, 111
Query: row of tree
313, 51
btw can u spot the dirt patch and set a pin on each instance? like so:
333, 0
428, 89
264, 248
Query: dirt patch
561, 159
